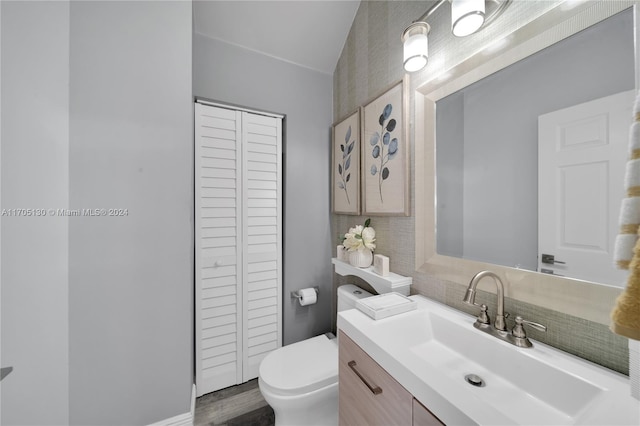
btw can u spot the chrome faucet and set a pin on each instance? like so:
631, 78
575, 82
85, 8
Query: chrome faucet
470, 297
517, 336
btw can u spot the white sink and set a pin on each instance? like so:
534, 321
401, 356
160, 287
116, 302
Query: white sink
431, 350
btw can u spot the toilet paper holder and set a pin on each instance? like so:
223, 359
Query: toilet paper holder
296, 295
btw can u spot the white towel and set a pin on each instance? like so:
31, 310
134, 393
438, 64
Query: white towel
632, 174
623, 251
630, 208
634, 138
630, 212
625, 316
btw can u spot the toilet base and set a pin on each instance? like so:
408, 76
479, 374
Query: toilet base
317, 408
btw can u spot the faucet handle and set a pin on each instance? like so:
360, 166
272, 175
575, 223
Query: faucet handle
518, 329
483, 317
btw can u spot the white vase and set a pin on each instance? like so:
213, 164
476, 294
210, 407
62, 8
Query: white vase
360, 258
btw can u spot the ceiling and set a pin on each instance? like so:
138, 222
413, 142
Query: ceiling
309, 33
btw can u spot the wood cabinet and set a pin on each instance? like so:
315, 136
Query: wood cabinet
238, 244
368, 395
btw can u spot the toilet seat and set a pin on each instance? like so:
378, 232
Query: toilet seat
301, 367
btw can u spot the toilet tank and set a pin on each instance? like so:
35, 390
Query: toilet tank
348, 294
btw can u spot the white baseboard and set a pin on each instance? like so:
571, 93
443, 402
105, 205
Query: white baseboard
185, 419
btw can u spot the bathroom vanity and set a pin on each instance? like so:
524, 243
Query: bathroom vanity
431, 366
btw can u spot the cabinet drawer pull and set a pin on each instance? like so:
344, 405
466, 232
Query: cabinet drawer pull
376, 390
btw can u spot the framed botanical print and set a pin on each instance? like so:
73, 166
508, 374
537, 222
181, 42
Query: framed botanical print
345, 165
385, 155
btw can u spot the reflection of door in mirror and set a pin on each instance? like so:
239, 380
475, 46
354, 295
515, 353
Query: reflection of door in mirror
581, 155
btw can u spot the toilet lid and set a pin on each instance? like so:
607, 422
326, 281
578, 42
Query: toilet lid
301, 367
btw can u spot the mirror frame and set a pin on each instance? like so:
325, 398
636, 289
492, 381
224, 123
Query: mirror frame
583, 299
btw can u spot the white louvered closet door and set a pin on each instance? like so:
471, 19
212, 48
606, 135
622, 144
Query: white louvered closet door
238, 244
262, 142
218, 246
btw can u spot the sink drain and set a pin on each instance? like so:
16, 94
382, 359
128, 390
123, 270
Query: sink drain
474, 380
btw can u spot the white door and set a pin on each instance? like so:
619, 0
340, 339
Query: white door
262, 239
238, 244
582, 153
218, 247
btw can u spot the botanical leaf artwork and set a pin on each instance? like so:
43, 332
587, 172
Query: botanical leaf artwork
384, 147
343, 167
385, 162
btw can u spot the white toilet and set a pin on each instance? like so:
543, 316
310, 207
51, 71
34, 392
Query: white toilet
300, 381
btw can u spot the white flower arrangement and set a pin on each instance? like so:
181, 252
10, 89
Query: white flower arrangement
360, 238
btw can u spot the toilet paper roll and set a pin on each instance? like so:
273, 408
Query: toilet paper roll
308, 296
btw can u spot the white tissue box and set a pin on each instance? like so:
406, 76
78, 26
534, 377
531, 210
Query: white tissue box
386, 305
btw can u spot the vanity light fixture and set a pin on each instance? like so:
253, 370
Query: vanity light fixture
467, 17
416, 46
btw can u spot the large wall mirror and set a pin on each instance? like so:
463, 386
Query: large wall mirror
530, 160
504, 201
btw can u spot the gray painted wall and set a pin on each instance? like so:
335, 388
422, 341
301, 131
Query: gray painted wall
35, 175
131, 278
231, 74
97, 312
500, 122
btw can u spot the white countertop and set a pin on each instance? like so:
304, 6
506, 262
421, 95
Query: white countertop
429, 356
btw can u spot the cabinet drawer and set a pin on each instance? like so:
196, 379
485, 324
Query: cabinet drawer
368, 394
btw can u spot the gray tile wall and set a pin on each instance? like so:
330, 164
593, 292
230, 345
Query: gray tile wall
371, 61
